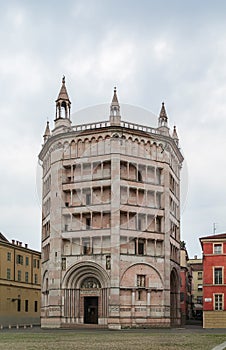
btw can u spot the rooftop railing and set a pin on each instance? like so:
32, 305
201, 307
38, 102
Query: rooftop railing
124, 124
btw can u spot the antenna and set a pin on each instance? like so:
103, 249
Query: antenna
214, 227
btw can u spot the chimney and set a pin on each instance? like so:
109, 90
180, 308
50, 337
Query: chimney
25, 245
195, 257
13, 241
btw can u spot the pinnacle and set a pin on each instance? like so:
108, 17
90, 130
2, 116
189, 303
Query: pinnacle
47, 130
163, 111
63, 95
115, 98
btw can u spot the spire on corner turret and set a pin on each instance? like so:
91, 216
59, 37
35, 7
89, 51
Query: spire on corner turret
47, 132
175, 136
115, 117
63, 103
163, 119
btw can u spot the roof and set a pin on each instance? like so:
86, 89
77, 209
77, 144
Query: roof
214, 237
63, 95
3, 238
196, 267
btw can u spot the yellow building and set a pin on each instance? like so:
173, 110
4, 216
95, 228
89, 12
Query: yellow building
20, 284
197, 290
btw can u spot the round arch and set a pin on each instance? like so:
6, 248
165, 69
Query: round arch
78, 272
144, 264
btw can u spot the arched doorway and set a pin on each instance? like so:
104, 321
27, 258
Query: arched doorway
90, 287
174, 298
85, 296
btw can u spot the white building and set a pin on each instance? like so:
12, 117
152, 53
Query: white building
110, 222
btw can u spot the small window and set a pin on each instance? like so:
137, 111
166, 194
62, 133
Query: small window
19, 259
36, 306
36, 278
18, 305
88, 223
218, 275
27, 261
19, 276
199, 275
26, 277
8, 274
218, 302
139, 246
199, 299
217, 248
8, 256
38, 264
141, 281
199, 287
34, 263
26, 305
139, 176
139, 295
86, 247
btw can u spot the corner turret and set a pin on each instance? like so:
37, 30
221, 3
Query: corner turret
63, 110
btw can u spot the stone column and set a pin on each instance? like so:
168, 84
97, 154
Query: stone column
114, 297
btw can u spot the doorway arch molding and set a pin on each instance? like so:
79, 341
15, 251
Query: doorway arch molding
83, 269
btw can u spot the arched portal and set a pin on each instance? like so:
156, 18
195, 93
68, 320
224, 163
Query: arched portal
85, 294
174, 298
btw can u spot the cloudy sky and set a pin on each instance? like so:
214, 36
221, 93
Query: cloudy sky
153, 51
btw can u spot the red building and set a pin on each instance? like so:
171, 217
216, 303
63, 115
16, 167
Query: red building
214, 281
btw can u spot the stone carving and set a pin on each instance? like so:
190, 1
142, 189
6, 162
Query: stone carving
90, 283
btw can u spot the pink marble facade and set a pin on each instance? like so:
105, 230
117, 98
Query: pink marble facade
110, 226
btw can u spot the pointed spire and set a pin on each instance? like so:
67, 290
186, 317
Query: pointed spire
175, 136
47, 132
63, 95
163, 116
115, 117
115, 98
63, 103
